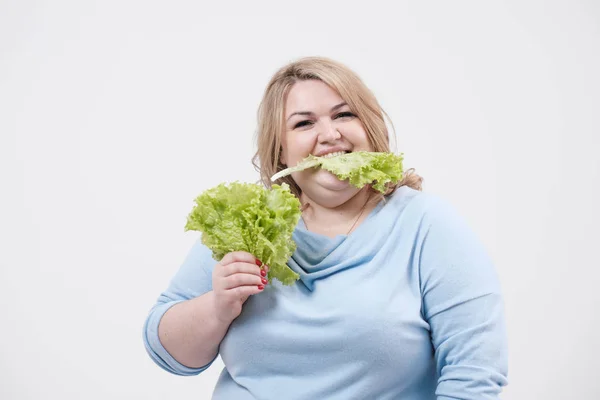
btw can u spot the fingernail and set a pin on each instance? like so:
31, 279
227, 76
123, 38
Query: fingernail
264, 281
260, 287
263, 272
258, 262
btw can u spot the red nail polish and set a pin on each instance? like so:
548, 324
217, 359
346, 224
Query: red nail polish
260, 287
264, 281
263, 272
258, 262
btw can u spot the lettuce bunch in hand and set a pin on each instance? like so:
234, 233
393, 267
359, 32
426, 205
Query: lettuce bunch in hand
248, 217
359, 168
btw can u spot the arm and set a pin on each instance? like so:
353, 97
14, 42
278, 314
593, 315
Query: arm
186, 294
463, 305
191, 333
184, 329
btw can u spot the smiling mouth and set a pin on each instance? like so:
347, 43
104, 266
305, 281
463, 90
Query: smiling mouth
334, 154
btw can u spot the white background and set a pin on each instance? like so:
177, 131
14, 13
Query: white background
115, 115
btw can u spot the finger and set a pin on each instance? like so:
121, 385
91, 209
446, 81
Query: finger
240, 268
243, 292
238, 280
239, 256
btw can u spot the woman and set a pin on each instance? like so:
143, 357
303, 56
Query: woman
396, 298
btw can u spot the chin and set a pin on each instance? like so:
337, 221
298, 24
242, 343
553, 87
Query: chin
329, 181
328, 191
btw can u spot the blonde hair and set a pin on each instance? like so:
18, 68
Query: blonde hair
351, 89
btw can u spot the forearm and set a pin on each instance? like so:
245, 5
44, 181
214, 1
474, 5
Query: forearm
190, 331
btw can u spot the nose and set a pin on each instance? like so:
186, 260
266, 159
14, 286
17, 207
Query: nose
328, 132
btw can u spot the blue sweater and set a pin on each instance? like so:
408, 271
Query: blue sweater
407, 307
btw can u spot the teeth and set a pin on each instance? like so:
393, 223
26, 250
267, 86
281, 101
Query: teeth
337, 153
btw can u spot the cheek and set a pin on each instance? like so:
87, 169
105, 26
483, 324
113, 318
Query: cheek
358, 135
296, 146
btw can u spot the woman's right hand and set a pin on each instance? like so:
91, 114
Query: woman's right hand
235, 278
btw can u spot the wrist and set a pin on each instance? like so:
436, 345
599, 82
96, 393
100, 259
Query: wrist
218, 320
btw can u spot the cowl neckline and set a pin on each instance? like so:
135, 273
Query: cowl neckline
318, 256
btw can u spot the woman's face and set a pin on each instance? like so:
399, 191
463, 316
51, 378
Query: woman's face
318, 122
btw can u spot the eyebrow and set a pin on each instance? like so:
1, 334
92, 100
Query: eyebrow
334, 108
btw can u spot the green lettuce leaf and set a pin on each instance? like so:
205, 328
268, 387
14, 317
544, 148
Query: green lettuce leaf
360, 168
249, 217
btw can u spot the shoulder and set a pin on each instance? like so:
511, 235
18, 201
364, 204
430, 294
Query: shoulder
199, 258
440, 232
426, 207
429, 220
194, 276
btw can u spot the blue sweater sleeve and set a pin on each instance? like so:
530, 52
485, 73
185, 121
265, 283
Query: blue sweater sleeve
463, 305
193, 279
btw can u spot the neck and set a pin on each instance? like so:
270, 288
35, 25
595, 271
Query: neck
342, 219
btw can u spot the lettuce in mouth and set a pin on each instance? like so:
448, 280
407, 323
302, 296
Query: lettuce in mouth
359, 168
248, 217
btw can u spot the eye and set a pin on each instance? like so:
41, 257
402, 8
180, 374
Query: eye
344, 114
302, 123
